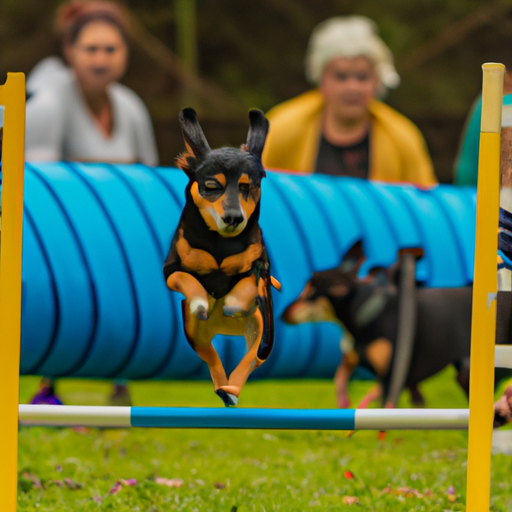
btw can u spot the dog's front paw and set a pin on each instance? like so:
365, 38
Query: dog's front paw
199, 308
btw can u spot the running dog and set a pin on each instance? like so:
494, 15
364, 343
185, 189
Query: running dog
217, 258
367, 309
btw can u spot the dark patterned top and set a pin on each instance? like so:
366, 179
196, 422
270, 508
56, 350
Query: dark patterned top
343, 160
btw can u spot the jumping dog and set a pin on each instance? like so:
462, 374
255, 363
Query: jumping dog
217, 258
367, 309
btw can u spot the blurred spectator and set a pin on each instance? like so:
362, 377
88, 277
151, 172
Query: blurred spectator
341, 127
466, 163
80, 112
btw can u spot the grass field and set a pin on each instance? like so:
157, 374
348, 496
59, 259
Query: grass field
157, 470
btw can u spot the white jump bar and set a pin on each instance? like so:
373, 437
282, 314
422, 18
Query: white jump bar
252, 418
503, 356
74, 415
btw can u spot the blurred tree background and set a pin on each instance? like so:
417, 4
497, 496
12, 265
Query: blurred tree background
223, 57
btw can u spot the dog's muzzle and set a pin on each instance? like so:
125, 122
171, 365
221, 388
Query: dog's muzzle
233, 219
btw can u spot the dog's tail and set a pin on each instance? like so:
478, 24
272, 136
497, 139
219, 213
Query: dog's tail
264, 303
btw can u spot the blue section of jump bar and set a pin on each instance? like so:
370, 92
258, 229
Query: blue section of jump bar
194, 417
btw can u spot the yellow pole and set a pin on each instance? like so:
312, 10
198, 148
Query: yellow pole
12, 97
485, 288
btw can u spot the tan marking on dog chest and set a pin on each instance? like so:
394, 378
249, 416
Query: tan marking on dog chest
241, 262
195, 260
379, 353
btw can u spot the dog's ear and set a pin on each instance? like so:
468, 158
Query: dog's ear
258, 130
193, 134
353, 258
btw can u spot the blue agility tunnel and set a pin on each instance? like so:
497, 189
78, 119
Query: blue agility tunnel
95, 303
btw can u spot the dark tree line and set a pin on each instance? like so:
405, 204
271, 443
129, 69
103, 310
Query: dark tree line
223, 57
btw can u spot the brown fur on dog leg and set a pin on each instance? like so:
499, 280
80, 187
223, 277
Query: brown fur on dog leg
341, 377
249, 362
211, 358
194, 292
242, 262
196, 260
240, 300
374, 394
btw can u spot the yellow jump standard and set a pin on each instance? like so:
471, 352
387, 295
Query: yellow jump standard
12, 97
485, 289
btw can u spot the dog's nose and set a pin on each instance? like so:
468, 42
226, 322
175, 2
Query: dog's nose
232, 219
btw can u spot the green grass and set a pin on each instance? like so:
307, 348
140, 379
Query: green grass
243, 470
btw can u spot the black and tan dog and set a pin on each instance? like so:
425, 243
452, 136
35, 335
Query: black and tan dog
368, 310
217, 258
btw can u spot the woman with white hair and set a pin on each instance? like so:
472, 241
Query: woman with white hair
341, 127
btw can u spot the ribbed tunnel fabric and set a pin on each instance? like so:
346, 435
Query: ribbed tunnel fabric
95, 303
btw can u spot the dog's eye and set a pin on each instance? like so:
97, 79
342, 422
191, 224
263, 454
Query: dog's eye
212, 185
245, 188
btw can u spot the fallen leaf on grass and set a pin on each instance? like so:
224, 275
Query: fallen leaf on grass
81, 430
119, 485
36, 481
451, 494
67, 482
350, 500
169, 482
70, 484
116, 488
408, 492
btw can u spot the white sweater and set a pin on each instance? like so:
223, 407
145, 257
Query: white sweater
59, 126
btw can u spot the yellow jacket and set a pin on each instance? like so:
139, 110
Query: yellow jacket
397, 149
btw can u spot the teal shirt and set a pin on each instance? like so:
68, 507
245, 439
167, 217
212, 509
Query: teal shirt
466, 164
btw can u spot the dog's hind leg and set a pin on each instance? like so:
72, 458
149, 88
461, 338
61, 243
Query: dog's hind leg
374, 394
416, 396
200, 334
209, 355
341, 377
253, 334
239, 302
